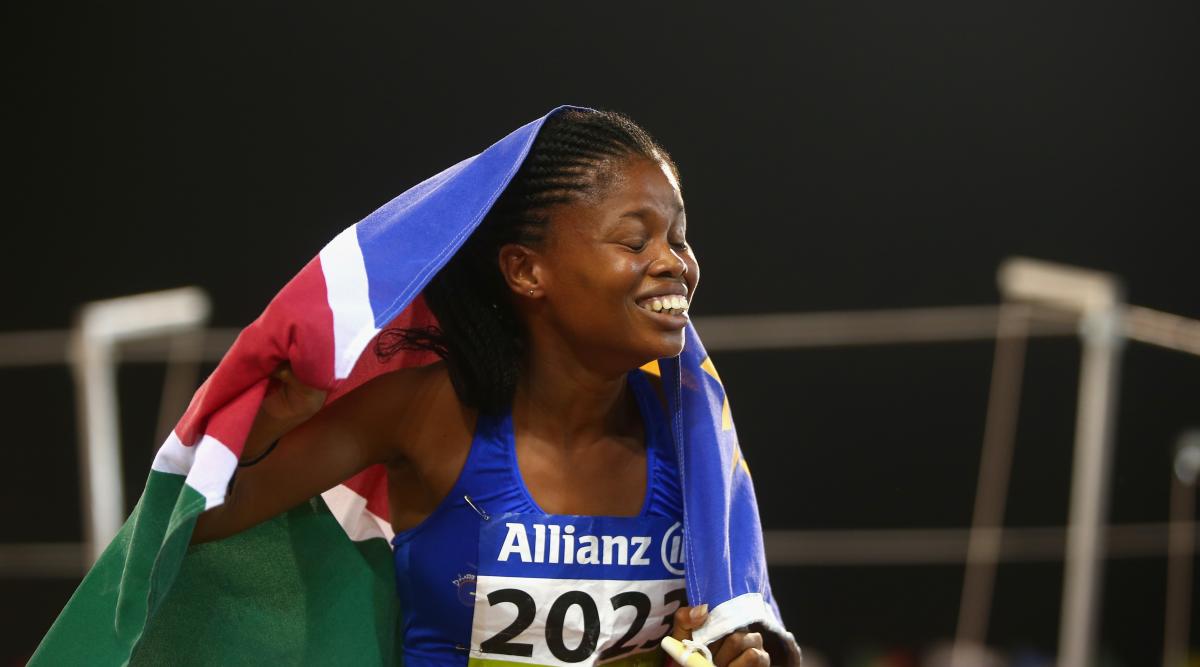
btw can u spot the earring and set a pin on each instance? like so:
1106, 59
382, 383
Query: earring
530, 292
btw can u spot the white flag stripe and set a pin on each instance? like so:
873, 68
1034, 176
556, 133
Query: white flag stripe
173, 457
212, 470
350, 510
349, 298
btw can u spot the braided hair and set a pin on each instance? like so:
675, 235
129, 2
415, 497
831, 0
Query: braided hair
574, 158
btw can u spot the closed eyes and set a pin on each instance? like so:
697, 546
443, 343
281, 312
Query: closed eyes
640, 244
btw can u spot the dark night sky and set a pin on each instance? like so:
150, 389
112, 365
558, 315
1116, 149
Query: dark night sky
834, 156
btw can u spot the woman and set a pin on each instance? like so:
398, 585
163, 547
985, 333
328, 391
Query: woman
579, 275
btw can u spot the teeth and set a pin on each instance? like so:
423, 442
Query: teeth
672, 303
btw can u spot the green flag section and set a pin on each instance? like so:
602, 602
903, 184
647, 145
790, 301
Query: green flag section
294, 590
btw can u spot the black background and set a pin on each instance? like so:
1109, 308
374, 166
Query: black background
834, 156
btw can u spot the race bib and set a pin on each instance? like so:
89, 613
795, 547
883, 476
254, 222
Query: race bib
575, 590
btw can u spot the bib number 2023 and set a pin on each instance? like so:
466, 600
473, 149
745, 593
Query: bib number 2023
583, 606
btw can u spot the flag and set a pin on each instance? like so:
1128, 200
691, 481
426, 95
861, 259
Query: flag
316, 585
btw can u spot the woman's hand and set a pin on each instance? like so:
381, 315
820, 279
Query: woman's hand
289, 402
740, 649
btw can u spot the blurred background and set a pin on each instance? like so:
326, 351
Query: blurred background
835, 157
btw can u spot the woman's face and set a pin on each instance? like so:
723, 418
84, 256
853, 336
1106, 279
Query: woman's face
607, 263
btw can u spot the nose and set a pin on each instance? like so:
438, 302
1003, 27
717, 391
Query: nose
669, 263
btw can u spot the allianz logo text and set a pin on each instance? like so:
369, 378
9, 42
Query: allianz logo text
552, 543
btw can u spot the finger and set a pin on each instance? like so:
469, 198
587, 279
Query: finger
687, 619
753, 657
728, 648
735, 645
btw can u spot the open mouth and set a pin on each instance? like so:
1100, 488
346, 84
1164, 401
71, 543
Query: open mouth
671, 304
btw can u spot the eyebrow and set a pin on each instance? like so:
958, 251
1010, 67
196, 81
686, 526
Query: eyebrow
647, 211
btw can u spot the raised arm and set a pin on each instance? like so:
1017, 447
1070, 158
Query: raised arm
313, 452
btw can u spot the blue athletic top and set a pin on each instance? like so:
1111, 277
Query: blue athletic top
437, 560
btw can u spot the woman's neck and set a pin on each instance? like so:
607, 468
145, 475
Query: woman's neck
571, 404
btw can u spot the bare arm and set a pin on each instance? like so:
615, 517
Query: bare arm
356, 431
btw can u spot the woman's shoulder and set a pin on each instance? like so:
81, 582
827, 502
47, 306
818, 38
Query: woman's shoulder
407, 409
410, 379
396, 388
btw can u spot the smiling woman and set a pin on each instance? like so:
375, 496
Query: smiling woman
534, 482
537, 413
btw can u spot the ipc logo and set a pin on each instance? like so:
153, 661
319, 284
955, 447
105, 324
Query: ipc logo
672, 549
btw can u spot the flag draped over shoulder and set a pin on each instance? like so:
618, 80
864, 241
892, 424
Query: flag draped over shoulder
316, 584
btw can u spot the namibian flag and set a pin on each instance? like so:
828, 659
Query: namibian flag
316, 585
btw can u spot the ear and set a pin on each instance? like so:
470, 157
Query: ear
522, 269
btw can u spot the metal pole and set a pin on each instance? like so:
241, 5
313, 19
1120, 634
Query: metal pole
1181, 550
1094, 424
995, 464
101, 481
101, 327
1096, 298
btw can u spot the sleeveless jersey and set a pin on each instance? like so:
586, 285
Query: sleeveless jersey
490, 579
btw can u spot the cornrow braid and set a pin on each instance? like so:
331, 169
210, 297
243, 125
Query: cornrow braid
573, 158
